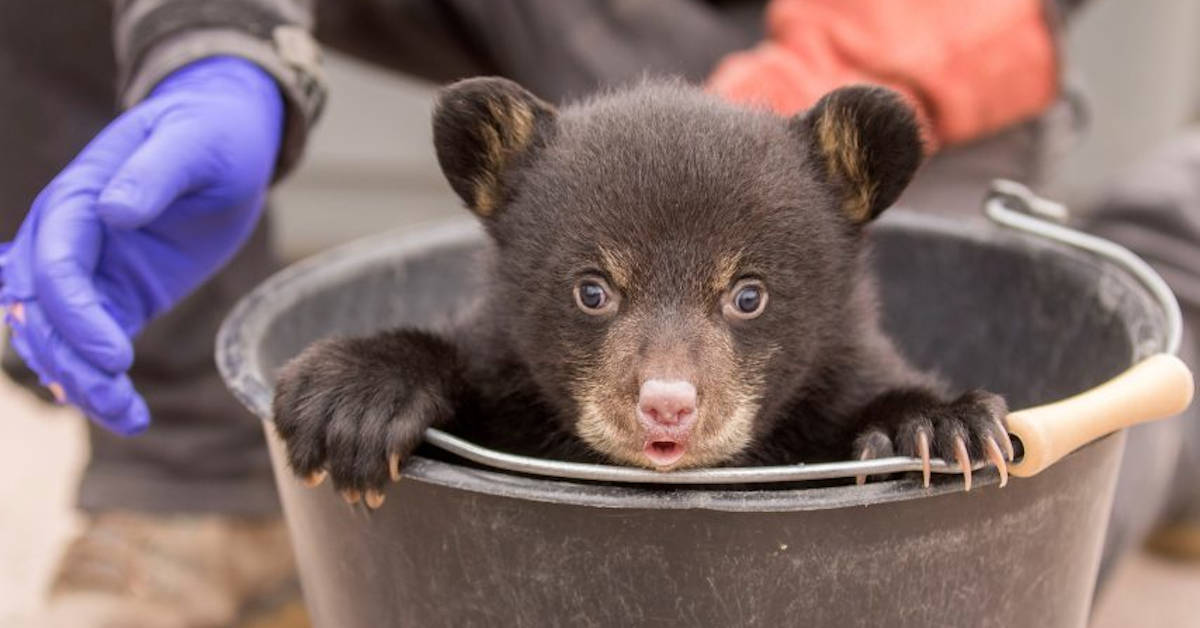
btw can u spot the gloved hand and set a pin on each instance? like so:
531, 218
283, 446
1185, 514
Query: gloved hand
153, 206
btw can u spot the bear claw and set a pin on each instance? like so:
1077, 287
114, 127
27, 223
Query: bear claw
964, 461
997, 458
965, 432
394, 467
873, 444
374, 498
314, 479
866, 455
1009, 453
923, 450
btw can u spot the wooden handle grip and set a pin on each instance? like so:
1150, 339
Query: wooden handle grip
1157, 387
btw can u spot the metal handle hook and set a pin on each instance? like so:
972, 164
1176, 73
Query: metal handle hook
1015, 206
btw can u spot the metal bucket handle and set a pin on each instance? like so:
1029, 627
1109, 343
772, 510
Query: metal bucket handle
1158, 387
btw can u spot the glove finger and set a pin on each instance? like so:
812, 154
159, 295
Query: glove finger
108, 399
83, 178
66, 251
162, 169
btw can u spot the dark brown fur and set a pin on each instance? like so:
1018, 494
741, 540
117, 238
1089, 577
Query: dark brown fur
670, 195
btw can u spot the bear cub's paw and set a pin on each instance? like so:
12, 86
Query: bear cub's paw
966, 431
354, 409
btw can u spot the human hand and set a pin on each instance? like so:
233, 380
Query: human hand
154, 205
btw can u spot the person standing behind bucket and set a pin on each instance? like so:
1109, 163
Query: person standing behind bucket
129, 240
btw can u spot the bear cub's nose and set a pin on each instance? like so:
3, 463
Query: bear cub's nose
667, 403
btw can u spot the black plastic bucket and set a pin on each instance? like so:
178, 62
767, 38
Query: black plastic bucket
457, 544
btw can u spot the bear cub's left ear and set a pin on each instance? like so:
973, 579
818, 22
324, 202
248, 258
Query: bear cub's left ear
483, 128
867, 141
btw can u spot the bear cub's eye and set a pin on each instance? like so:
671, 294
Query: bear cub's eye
593, 296
748, 299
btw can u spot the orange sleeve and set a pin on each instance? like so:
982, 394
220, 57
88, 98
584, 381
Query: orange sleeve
969, 67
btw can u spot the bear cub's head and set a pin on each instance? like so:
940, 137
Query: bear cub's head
673, 269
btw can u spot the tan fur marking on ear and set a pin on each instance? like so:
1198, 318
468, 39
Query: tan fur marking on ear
842, 147
516, 120
493, 143
509, 131
493, 159
485, 194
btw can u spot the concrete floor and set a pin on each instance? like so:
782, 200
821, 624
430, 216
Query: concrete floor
47, 449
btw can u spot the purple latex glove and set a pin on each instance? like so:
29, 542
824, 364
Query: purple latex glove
152, 207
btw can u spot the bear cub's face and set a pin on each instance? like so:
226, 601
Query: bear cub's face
669, 267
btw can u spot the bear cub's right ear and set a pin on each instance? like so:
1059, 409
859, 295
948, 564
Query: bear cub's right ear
868, 142
482, 128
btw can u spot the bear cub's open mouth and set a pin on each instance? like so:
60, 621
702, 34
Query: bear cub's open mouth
664, 453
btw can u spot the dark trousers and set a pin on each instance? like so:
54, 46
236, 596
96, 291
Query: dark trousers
204, 453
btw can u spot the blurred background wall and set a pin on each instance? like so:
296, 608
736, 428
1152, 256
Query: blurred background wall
371, 165
1139, 64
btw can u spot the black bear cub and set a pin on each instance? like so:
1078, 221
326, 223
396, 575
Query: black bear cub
673, 282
